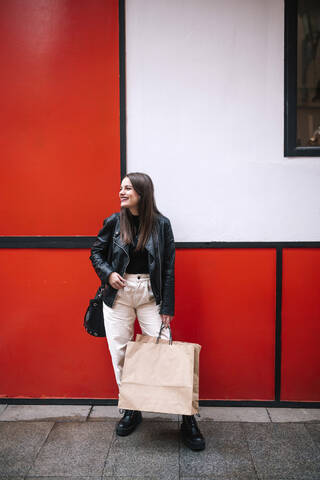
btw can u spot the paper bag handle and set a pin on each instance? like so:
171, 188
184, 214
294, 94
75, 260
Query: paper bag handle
163, 326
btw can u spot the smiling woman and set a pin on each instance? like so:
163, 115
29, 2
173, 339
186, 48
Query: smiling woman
134, 256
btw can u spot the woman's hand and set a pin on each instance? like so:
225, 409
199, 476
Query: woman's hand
116, 281
166, 319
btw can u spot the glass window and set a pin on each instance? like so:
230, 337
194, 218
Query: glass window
308, 78
302, 77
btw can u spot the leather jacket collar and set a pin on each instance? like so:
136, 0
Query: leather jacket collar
117, 238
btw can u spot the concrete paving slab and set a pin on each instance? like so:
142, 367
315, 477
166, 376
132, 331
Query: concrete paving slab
151, 451
12, 477
56, 413
160, 417
112, 477
223, 477
20, 443
276, 453
294, 414
314, 431
3, 406
62, 478
233, 414
104, 413
130, 477
283, 451
74, 448
226, 454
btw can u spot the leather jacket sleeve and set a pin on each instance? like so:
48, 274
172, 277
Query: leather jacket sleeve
100, 247
168, 295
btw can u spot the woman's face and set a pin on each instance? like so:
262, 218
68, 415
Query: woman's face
129, 198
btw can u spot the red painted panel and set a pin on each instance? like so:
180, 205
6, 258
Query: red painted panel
59, 90
225, 300
301, 325
45, 351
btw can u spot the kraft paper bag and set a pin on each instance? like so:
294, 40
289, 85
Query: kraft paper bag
159, 377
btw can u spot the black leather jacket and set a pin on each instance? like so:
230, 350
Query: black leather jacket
109, 254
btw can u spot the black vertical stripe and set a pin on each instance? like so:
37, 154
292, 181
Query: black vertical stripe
277, 379
122, 86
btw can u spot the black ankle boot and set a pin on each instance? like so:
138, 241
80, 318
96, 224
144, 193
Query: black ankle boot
191, 435
128, 422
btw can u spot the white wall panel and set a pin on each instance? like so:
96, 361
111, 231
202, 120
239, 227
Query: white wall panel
205, 101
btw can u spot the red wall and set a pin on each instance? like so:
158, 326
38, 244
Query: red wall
59, 121
301, 325
225, 302
60, 175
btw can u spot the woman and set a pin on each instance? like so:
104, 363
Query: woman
134, 256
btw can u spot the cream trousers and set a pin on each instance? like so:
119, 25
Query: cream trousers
134, 300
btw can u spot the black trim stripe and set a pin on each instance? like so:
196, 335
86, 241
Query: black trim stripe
290, 77
46, 242
288, 244
122, 75
86, 242
278, 331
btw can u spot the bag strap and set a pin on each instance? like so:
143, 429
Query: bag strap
155, 242
170, 333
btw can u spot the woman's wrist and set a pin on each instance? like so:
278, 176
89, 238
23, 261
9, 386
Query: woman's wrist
166, 319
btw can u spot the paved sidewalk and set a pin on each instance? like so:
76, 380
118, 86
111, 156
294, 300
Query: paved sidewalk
39, 442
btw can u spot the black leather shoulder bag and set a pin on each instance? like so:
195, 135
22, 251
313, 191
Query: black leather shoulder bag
93, 319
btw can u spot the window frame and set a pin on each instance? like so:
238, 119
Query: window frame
290, 86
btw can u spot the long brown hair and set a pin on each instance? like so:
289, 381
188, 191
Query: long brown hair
148, 211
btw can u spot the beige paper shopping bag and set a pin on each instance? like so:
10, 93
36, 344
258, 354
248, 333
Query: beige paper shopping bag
160, 377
